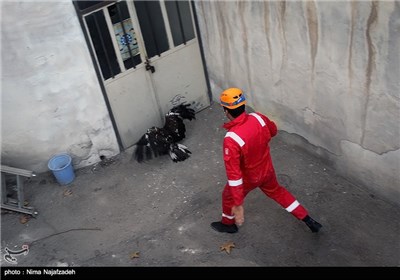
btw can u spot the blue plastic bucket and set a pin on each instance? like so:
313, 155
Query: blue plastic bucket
61, 166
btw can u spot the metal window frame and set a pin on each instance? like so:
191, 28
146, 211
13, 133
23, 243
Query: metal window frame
98, 72
133, 18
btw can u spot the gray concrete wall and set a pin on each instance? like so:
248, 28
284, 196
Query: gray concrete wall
51, 98
326, 71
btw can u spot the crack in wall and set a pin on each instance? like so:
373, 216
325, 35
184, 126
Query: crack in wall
267, 30
317, 148
312, 21
349, 65
280, 10
281, 20
247, 57
207, 35
315, 113
301, 141
225, 40
369, 150
370, 65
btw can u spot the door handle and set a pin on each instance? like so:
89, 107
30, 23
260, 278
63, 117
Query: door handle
149, 66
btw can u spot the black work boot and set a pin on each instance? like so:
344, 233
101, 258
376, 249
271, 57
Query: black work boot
312, 224
220, 227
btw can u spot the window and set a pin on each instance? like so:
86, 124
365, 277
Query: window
125, 34
103, 45
180, 20
152, 27
111, 28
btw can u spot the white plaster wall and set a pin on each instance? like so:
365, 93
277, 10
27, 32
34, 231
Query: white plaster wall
327, 71
51, 98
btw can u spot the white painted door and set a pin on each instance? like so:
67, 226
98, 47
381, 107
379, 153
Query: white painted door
148, 56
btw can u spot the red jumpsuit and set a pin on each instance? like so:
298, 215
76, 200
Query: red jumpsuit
248, 165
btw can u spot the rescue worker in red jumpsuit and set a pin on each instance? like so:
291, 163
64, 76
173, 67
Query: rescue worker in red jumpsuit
248, 164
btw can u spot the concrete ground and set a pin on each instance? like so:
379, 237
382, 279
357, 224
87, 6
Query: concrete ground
162, 211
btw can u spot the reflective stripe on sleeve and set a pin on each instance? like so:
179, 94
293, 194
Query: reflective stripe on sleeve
235, 183
292, 206
227, 216
235, 137
260, 120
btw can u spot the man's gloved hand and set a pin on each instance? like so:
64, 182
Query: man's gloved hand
238, 212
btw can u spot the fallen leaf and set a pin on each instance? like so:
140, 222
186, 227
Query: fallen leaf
134, 255
23, 219
227, 247
67, 192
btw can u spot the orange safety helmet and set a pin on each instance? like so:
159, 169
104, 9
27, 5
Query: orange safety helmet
232, 98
